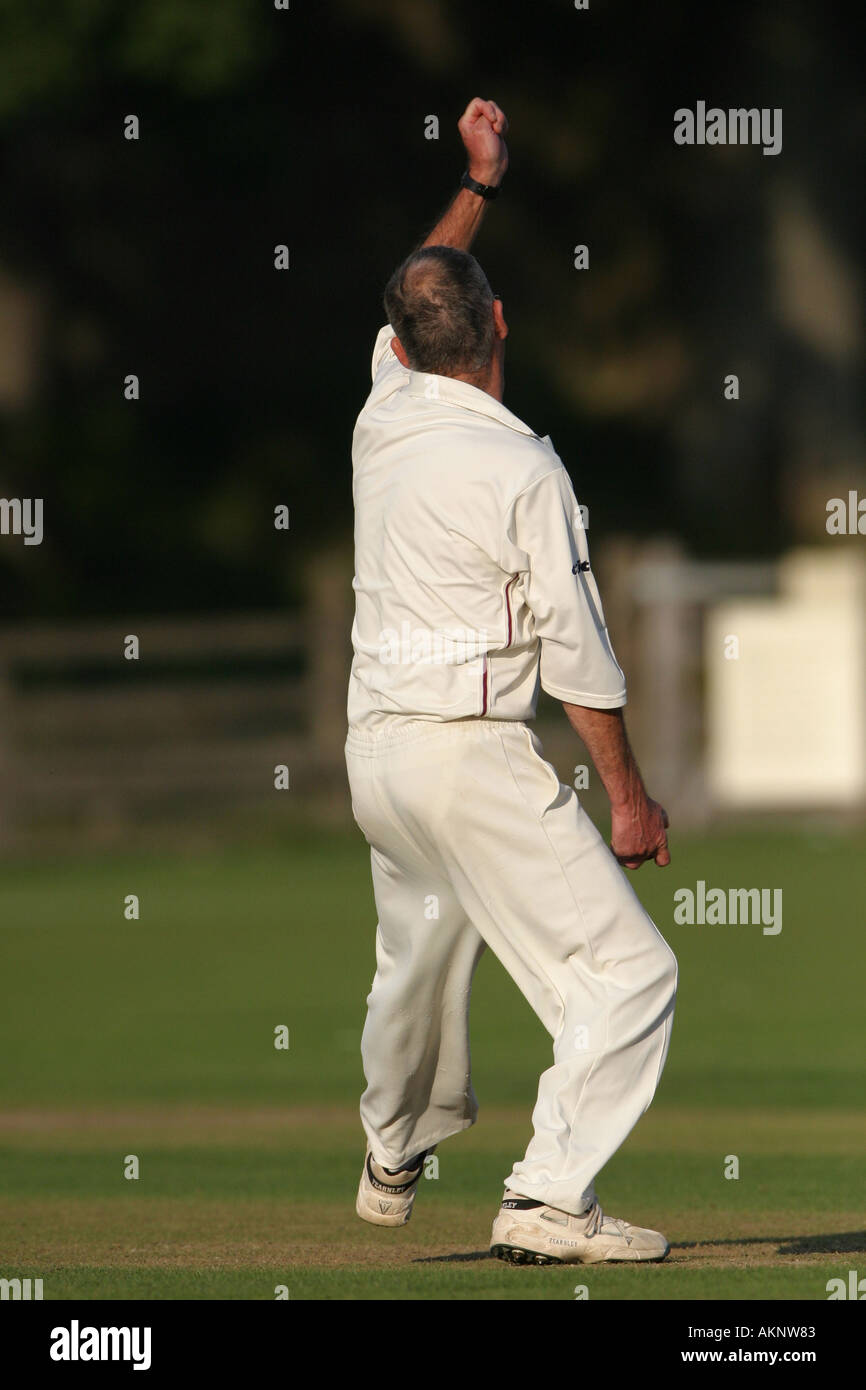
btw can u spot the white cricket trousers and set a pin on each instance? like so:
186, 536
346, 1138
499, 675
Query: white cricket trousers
474, 841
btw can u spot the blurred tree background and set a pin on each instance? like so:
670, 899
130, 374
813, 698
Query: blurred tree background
306, 127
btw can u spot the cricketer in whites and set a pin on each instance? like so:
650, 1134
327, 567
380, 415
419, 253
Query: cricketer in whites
469, 539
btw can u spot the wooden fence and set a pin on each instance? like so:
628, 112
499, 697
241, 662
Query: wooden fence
197, 724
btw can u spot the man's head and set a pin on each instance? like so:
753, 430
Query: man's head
444, 313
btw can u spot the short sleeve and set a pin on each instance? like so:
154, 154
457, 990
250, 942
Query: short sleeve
578, 665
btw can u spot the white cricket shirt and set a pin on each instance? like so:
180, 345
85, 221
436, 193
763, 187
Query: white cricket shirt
472, 580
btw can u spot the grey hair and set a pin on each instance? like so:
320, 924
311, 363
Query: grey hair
439, 304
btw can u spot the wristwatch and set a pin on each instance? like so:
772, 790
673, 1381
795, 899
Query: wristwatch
484, 190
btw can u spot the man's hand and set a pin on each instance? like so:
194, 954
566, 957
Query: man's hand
482, 129
637, 833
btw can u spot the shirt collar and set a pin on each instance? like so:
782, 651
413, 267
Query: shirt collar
460, 393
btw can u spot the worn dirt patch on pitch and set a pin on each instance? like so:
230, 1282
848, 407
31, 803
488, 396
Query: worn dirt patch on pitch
173, 1233
176, 1233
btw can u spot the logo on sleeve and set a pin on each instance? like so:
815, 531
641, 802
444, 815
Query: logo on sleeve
582, 565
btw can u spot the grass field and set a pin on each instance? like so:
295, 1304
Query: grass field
154, 1038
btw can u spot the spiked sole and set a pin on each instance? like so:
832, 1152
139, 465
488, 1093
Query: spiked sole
515, 1255
518, 1255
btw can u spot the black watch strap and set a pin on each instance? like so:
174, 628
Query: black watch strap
484, 190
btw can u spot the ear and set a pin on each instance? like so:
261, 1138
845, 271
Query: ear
499, 325
399, 351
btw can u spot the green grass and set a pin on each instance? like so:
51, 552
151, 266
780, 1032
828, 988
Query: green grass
485, 1281
155, 1038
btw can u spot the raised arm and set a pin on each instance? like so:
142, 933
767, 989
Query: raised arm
482, 129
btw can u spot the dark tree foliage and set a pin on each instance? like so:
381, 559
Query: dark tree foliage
306, 127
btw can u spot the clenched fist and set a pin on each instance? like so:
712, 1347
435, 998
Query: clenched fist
639, 833
482, 129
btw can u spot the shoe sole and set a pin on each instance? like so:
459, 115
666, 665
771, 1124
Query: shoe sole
377, 1218
519, 1255
516, 1255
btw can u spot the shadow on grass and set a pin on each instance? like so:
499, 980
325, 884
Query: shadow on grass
462, 1258
839, 1243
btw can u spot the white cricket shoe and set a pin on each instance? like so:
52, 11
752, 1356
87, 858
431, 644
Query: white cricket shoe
386, 1198
527, 1234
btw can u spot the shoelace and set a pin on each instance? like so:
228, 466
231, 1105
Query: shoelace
596, 1219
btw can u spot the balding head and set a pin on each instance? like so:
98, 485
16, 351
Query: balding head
440, 306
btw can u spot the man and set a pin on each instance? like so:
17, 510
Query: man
472, 587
